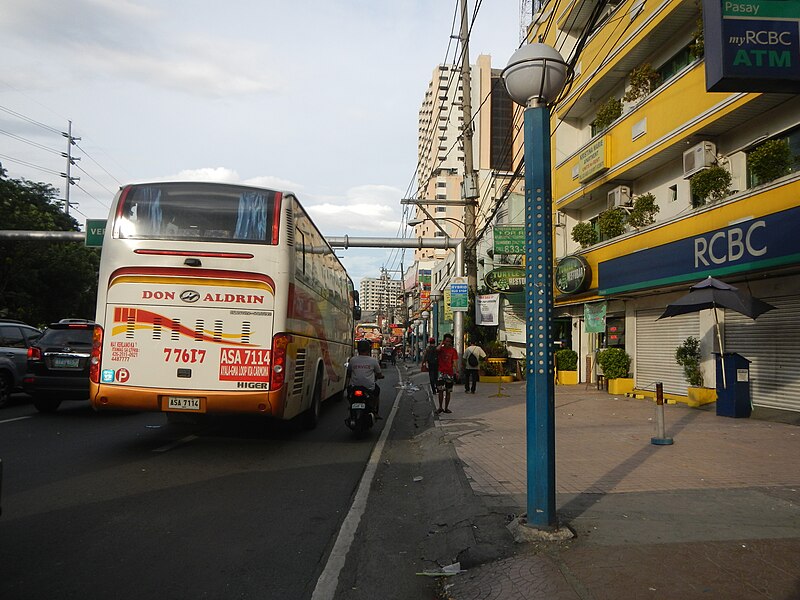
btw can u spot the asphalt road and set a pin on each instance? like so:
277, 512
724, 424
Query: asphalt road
125, 505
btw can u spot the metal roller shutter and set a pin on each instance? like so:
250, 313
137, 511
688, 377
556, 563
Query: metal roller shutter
656, 342
772, 344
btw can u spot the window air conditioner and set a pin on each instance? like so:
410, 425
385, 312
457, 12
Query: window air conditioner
699, 157
619, 196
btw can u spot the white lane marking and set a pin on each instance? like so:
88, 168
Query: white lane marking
179, 442
329, 579
15, 419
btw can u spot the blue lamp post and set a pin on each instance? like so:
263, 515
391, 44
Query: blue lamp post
534, 77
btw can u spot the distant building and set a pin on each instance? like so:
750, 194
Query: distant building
381, 296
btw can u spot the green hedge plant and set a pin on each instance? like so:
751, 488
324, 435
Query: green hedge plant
615, 362
608, 112
584, 234
713, 183
643, 212
612, 221
770, 160
566, 360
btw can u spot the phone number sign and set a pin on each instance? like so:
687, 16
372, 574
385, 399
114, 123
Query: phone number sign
509, 239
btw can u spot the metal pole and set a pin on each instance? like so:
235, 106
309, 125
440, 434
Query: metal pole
540, 392
661, 438
470, 184
458, 316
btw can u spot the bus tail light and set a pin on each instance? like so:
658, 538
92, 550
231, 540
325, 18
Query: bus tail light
97, 352
279, 345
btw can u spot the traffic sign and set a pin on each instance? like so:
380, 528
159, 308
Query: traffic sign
459, 295
95, 230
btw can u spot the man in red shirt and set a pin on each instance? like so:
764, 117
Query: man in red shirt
448, 369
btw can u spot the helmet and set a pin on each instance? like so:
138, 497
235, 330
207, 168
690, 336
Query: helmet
364, 346
431, 340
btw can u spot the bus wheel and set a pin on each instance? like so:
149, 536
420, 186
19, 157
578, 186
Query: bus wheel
311, 418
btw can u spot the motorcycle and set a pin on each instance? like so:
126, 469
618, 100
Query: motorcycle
362, 415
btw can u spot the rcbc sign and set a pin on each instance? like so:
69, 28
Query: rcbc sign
769, 241
730, 245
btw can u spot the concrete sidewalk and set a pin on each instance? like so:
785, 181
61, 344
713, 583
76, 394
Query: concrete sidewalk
716, 515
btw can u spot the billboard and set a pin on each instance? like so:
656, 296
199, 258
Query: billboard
752, 45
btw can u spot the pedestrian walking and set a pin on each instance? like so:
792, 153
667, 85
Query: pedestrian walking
472, 356
430, 363
448, 371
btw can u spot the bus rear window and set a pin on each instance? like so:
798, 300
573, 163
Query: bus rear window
198, 212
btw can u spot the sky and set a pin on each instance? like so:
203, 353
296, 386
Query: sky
317, 97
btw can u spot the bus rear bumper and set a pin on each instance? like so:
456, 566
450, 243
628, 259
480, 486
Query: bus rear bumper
108, 397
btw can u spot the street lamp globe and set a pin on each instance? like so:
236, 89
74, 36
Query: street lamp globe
535, 74
425, 315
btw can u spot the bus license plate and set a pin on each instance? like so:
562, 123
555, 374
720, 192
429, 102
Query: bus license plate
358, 405
179, 403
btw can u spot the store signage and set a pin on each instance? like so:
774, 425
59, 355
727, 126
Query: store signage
752, 45
765, 242
594, 159
509, 239
506, 279
572, 275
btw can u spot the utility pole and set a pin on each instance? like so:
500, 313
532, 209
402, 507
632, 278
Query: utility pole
469, 189
70, 161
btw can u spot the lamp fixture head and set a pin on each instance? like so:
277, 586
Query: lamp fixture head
535, 73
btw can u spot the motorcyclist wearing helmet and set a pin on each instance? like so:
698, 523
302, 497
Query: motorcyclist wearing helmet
364, 370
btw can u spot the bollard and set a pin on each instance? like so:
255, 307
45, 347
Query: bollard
661, 438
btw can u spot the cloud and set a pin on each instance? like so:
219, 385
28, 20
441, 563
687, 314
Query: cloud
122, 40
365, 210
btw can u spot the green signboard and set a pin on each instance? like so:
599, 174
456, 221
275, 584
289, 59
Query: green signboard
95, 230
509, 279
459, 295
509, 239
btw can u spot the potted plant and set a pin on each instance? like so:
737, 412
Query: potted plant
643, 80
770, 160
566, 367
585, 234
608, 112
643, 211
688, 356
616, 364
713, 183
612, 221
494, 367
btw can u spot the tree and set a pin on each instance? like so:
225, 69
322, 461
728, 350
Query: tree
42, 281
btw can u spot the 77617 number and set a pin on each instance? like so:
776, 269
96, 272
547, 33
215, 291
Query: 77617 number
184, 355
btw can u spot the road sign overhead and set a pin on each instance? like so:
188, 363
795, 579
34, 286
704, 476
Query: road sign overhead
95, 230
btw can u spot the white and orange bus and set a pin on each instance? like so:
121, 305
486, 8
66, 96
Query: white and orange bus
219, 298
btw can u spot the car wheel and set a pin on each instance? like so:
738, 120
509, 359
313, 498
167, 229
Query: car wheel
5, 389
46, 405
311, 418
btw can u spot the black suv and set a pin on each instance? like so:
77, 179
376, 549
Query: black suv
58, 364
15, 339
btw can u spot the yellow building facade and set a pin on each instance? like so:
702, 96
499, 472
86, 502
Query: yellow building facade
636, 134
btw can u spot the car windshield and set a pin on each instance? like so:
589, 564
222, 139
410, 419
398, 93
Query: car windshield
198, 212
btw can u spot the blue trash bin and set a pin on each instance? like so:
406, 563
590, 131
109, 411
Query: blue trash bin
733, 392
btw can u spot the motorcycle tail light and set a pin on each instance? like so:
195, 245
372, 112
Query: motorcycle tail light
359, 393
